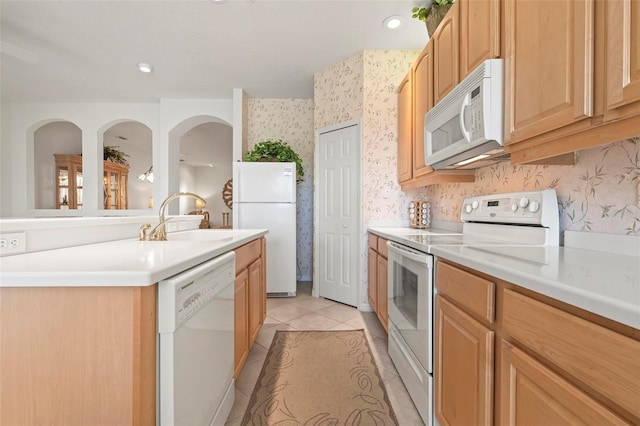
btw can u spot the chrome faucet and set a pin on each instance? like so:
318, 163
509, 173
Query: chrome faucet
159, 233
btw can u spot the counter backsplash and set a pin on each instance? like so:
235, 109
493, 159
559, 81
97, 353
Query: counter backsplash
54, 233
601, 193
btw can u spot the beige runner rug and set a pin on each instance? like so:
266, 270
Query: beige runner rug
319, 378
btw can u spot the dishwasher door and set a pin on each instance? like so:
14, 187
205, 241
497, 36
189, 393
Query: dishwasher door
196, 339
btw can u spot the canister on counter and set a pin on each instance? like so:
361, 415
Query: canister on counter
419, 214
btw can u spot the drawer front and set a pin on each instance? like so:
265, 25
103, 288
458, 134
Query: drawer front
382, 248
373, 241
600, 358
473, 293
247, 253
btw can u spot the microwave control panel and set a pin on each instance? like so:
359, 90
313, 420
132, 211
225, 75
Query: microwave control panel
476, 127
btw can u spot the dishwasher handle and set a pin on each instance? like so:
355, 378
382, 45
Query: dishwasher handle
408, 252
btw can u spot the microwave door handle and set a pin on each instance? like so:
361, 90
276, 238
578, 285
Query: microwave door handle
463, 117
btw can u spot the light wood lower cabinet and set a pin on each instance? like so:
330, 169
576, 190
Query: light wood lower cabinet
535, 395
241, 323
531, 361
256, 295
372, 275
383, 301
464, 349
250, 299
378, 279
78, 355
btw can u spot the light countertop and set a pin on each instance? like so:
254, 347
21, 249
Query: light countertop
128, 262
601, 282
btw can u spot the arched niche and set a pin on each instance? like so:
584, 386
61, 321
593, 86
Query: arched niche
51, 138
134, 140
203, 148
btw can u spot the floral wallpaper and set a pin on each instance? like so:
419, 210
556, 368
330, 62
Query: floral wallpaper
364, 86
599, 194
292, 121
337, 92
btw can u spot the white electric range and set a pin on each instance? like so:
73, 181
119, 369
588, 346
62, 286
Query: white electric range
499, 222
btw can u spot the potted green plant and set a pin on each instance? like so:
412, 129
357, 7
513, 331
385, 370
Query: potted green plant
432, 15
276, 150
111, 153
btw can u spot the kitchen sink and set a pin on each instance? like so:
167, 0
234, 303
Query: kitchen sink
206, 234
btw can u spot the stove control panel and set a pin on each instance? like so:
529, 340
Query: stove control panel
526, 208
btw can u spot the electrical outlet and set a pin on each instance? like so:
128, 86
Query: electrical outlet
14, 242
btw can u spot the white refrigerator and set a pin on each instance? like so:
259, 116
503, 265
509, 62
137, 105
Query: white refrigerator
264, 196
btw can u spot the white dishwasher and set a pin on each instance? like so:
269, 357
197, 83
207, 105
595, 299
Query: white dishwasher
196, 344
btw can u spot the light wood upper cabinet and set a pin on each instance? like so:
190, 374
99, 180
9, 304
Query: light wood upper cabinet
422, 103
446, 41
479, 33
622, 59
405, 128
549, 53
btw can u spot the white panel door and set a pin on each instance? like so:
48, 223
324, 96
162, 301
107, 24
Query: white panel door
339, 214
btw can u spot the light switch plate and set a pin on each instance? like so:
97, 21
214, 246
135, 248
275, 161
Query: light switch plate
14, 242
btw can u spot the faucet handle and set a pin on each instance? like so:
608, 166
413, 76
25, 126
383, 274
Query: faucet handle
142, 232
159, 233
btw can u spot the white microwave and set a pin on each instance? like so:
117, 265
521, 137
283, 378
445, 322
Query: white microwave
467, 124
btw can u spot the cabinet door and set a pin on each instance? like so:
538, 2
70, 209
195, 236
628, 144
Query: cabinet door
241, 323
622, 63
372, 279
255, 299
463, 368
531, 394
445, 55
383, 311
263, 291
422, 102
548, 84
479, 33
405, 128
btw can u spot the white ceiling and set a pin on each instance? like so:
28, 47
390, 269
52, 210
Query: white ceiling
87, 50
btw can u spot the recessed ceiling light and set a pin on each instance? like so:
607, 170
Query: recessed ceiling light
392, 22
144, 67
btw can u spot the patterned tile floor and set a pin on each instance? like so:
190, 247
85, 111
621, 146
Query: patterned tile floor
305, 312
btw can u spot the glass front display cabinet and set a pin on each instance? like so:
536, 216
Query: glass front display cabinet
69, 183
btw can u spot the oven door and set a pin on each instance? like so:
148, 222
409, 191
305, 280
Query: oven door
411, 300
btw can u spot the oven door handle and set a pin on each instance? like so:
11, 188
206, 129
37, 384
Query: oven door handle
407, 252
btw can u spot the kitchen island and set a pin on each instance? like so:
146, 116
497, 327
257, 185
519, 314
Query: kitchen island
78, 326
